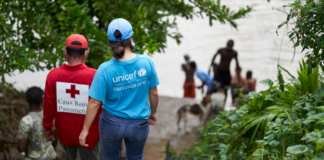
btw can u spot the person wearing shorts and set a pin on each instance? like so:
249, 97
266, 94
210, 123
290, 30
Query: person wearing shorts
124, 85
189, 86
66, 100
223, 75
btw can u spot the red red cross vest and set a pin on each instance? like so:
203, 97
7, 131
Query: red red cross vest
65, 103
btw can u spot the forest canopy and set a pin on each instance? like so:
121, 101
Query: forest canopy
33, 32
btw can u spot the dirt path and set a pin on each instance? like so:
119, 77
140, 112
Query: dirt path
164, 131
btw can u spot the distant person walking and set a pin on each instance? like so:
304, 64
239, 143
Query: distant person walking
189, 85
223, 75
123, 84
66, 99
251, 82
31, 134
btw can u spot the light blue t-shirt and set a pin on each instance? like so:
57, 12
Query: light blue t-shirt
123, 86
203, 75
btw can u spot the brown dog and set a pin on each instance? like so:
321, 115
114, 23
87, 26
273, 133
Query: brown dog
195, 109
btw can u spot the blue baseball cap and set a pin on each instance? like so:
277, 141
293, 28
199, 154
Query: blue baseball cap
123, 26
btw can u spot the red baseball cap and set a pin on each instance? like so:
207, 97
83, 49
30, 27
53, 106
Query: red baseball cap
76, 41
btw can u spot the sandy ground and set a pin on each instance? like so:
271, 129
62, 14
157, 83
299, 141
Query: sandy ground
166, 129
154, 149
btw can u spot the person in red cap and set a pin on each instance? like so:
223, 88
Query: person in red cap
66, 100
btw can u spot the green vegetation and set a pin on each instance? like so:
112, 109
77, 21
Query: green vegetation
284, 122
33, 32
308, 27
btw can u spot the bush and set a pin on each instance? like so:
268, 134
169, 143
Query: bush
306, 18
33, 33
285, 121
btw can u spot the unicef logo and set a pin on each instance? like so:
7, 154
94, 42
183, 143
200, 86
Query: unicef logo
142, 72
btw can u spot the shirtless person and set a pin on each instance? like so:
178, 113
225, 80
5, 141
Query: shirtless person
223, 75
236, 84
251, 82
189, 85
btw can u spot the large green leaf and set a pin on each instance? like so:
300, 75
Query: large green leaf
309, 137
267, 82
297, 149
281, 80
320, 108
260, 152
319, 1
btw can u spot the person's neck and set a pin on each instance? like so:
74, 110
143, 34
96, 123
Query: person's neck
75, 61
128, 55
35, 108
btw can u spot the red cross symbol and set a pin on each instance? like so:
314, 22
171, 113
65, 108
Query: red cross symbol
72, 91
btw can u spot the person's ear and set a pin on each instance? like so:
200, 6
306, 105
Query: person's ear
132, 42
86, 53
64, 52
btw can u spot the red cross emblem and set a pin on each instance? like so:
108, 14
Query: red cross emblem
72, 91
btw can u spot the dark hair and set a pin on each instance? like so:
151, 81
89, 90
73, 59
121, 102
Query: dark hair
193, 65
186, 57
238, 68
34, 95
249, 73
118, 47
215, 65
75, 52
230, 41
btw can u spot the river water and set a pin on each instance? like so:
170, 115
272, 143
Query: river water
256, 42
